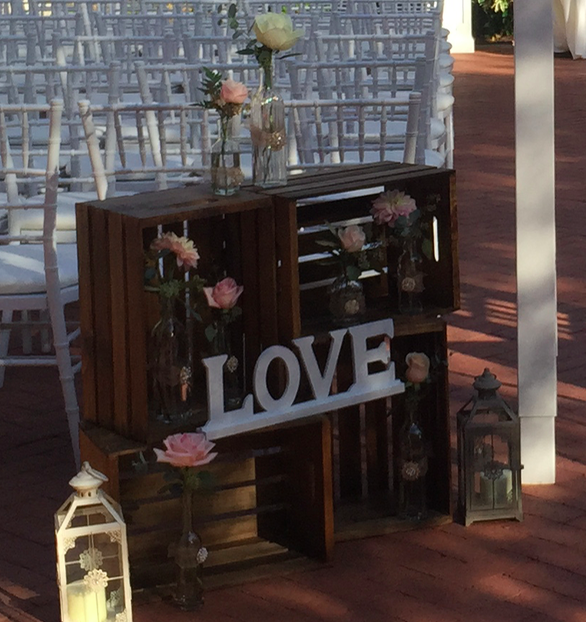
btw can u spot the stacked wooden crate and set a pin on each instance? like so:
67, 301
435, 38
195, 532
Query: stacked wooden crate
283, 493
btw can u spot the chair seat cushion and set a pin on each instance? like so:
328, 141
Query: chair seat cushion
22, 268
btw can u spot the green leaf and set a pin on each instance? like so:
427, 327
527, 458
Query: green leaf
206, 480
232, 10
191, 478
210, 332
327, 243
353, 272
246, 52
427, 248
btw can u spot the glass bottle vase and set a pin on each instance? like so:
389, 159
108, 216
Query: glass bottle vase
410, 279
268, 134
222, 344
170, 367
413, 464
347, 303
226, 173
189, 555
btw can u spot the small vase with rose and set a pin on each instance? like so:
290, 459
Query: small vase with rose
226, 97
169, 271
274, 34
413, 451
399, 214
188, 453
223, 310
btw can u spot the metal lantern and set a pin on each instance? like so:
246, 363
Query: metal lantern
489, 455
92, 554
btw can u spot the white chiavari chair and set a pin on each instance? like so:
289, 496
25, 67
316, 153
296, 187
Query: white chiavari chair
145, 147
36, 274
349, 132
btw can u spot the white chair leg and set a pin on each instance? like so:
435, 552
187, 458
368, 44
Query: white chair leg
26, 336
4, 341
66, 376
45, 333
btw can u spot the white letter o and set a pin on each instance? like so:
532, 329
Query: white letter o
261, 390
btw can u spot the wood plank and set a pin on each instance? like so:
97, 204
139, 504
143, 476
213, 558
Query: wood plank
289, 316
177, 204
118, 249
310, 469
137, 356
377, 445
455, 244
101, 278
251, 298
267, 265
349, 432
85, 251
103, 462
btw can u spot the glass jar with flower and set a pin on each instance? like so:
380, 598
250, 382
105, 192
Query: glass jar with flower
222, 299
188, 452
274, 33
413, 453
169, 263
226, 97
398, 212
348, 249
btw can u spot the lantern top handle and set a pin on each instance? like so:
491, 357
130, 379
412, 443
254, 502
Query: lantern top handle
487, 382
87, 481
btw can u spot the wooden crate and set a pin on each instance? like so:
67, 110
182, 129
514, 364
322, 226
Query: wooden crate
309, 201
365, 450
271, 502
234, 235
276, 489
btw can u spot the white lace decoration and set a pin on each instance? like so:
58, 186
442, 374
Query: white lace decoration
96, 579
91, 558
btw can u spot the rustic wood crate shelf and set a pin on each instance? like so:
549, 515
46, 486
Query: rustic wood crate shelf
283, 495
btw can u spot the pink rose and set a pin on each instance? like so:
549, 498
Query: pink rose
417, 367
224, 295
233, 92
352, 238
390, 206
183, 248
186, 450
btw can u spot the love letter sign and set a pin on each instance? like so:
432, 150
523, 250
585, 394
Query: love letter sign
276, 410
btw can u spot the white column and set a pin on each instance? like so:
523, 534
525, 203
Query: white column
536, 272
458, 20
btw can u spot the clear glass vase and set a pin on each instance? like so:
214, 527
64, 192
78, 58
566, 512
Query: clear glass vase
226, 173
189, 555
222, 344
412, 502
347, 303
410, 279
170, 367
268, 134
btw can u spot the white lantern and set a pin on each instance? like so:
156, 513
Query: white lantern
92, 554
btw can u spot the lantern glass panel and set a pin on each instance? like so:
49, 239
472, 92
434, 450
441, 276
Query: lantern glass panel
493, 477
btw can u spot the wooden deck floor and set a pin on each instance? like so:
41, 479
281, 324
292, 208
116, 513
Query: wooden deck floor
533, 571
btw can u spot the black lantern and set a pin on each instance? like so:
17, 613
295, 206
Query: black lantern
489, 455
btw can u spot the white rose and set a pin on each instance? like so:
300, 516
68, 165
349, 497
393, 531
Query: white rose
275, 30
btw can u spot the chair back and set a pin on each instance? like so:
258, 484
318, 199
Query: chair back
29, 172
145, 147
349, 132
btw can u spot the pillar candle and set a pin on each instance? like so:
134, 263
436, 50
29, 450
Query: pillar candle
85, 604
497, 492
